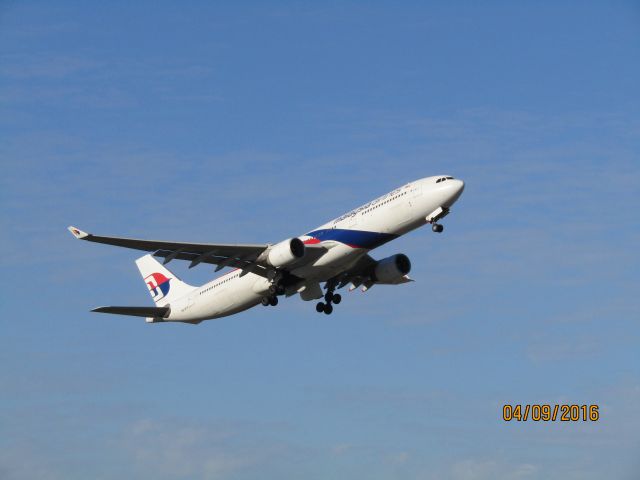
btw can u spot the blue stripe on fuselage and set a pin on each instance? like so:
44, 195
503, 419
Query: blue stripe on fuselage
353, 238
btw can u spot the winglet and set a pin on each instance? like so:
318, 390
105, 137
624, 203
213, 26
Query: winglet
76, 232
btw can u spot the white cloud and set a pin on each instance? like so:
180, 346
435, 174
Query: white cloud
473, 469
170, 450
21, 462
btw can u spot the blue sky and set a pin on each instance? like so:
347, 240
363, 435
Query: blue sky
223, 122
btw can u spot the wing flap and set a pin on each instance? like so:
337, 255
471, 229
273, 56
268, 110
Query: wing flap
237, 261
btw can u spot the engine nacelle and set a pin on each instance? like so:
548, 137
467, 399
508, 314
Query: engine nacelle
392, 269
285, 253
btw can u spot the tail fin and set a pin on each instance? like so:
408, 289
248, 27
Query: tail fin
163, 285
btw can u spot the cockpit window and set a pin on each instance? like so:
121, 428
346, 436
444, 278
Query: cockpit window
448, 178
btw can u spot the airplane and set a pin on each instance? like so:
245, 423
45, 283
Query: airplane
336, 254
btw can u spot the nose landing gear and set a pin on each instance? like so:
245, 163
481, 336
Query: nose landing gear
435, 216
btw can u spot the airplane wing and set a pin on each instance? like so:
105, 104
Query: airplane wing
241, 256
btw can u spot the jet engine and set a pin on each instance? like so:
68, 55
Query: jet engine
285, 253
392, 269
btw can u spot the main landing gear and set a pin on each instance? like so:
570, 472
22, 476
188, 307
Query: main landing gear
266, 301
436, 227
276, 288
329, 298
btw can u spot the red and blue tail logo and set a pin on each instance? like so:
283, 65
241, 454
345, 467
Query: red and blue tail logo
158, 285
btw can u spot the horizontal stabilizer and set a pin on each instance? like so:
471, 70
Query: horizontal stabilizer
76, 232
155, 312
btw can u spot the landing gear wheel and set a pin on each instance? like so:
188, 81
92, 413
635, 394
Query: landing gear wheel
280, 290
273, 289
437, 228
337, 298
328, 297
320, 307
265, 301
328, 309
273, 301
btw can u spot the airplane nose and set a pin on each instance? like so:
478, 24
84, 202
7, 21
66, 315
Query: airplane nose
459, 186
456, 187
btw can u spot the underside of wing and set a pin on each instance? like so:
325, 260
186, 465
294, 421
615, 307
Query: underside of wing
359, 274
363, 273
241, 256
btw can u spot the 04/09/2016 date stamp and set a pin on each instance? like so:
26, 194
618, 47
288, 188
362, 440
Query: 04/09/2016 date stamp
550, 413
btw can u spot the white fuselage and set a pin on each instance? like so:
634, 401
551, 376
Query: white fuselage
346, 239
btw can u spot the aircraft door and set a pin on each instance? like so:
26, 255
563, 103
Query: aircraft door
401, 213
414, 195
189, 302
227, 298
191, 299
352, 221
